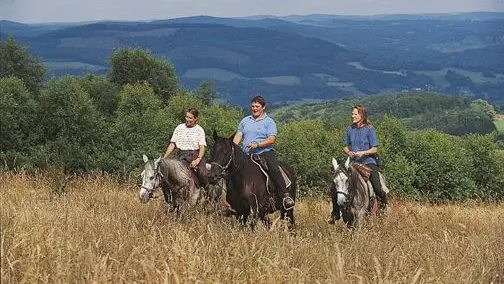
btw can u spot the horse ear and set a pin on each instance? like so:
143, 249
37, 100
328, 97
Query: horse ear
334, 164
347, 163
158, 159
145, 159
215, 136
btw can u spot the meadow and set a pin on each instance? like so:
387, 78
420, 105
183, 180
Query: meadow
95, 230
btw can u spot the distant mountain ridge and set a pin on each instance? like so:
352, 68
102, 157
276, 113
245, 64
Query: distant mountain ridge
293, 58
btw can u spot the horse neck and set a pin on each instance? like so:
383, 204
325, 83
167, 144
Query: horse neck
357, 187
174, 170
239, 160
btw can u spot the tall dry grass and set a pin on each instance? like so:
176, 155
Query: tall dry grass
99, 232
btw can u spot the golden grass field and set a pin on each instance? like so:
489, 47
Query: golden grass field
99, 232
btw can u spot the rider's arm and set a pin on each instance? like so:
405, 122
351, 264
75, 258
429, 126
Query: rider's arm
201, 152
370, 152
268, 141
170, 149
238, 137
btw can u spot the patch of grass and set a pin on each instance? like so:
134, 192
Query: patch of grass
212, 73
282, 80
100, 233
499, 124
476, 77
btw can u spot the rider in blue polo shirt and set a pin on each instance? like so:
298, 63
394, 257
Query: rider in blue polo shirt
258, 132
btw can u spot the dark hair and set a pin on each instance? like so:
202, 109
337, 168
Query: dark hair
361, 109
258, 99
192, 111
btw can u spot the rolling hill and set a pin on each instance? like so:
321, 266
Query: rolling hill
313, 57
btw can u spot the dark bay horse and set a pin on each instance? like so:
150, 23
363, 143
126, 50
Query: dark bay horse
248, 191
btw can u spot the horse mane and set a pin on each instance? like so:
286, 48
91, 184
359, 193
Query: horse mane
356, 183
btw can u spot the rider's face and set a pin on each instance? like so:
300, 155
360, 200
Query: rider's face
356, 117
190, 120
256, 109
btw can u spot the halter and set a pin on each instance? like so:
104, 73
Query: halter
158, 178
224, 168
345, 172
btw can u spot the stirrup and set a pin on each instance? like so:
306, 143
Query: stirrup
290, 207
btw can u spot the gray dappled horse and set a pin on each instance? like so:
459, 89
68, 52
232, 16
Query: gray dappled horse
351, 194
175, 178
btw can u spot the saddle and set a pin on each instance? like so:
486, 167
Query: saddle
263, 165
195, 172
364, 170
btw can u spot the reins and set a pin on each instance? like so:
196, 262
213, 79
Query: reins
224, 168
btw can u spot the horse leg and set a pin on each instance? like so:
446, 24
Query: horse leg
166, 192
267, 222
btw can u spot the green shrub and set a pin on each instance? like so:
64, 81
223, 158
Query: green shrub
443, 165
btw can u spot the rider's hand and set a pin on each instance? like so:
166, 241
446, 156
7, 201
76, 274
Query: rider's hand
359, 153
195, 163
252, 145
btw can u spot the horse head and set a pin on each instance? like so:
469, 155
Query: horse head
221, 157
151, 179
341, 180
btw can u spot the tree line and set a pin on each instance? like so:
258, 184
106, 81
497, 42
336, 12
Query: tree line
82, 124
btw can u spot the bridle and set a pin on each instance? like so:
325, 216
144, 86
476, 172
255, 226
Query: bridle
344, 171
224, 168
157, 182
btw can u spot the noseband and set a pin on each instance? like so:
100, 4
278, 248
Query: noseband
224, 168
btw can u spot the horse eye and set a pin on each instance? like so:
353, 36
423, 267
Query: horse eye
151, 178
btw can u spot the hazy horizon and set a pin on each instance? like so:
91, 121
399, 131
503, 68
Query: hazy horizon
34, 11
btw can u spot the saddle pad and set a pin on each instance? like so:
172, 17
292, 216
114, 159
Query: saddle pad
261, 163
285, 177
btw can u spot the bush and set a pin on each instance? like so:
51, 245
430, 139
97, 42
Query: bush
309, 146
443, 166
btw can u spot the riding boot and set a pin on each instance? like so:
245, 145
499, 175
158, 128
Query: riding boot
384, 205
378, 189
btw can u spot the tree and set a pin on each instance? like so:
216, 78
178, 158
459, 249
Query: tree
70, 129
206, 91
16, 122
137, 127
15, 60
309, 145
137, 65
16, 106
103, 93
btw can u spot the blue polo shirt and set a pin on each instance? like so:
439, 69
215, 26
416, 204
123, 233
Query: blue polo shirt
361, 139
256, 130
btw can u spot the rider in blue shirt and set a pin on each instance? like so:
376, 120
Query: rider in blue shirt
361, 145
258, 132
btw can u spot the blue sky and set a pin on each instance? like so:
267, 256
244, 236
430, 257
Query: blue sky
30, 11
